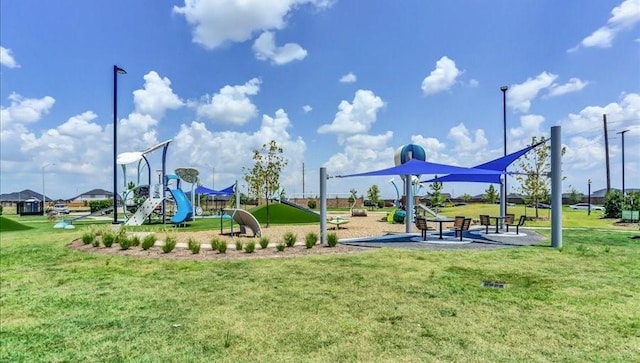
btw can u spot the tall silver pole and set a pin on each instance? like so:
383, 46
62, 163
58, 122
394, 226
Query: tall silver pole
408, 205
556, 187
323, 206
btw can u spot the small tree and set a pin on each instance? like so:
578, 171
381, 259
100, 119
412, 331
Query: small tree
491, 194
465, 197
574, 196
374, 194
436, 196
533, 174
264, 178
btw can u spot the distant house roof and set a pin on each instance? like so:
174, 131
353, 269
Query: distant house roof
94, 192
22, 195
602, 192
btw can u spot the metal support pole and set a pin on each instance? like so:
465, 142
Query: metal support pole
323, 206
408, 205
556, 187
589, 197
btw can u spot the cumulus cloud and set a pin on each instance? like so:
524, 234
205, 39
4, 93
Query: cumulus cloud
356, 117
574, 85
232, 104
362, 153
25, 110
307, 108
441, 78
156, 97
624, 16
265, 49
590, 118
7, 59
520, 95
348, 78
464, 141
216, 22
80, 125
530, 125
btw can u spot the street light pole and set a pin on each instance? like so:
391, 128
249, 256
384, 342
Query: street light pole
589, 197
116, 70
504, 123
44, 200
622, 133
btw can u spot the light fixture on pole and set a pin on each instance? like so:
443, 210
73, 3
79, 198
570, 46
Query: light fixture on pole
116, 70
622, 133
589, 197
504, 129
44, 199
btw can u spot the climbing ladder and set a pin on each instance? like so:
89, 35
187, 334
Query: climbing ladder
144, 211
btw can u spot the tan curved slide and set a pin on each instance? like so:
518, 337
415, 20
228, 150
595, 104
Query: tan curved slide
244, 218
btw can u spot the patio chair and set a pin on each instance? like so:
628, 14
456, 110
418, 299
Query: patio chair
486, 222
517, 225
457, 223
421, 224
509, 218
466, 222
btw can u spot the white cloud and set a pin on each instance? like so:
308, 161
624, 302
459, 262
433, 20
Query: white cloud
574, 85
463, 140
625, 16
589, 119
156, 97
80, 125
356, 117
362, 153
519, 96
530, 125
266, 49
216, 22
25, 110
307, 108
7, 59
232, 104
348, 78
441, 78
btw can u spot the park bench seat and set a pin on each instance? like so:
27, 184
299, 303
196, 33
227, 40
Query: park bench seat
466, 222
517, 225
486, 222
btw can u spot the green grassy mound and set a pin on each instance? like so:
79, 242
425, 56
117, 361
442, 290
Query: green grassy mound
9, 225
284, 214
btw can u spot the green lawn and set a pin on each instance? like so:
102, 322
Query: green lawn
581, 303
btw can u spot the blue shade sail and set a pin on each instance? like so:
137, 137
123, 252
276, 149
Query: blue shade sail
206, 191
500, 163
418, 167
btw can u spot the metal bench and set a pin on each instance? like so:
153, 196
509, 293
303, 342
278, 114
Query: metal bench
517, 225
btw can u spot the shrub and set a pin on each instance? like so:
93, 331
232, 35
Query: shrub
289, 239
88, 237
222, 246
121, 235
194, 246
108, 238
95, 243
148, 241
280, 247
169, 244
264, 242
125, 243
135, 241
215, 241
332, 239
613, 204
238, 245
96, 205
250, 247
1, 207
312, 204
310, 239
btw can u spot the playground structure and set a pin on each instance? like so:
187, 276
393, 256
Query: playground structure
145, 199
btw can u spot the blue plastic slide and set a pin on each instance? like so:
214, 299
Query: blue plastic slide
185, 210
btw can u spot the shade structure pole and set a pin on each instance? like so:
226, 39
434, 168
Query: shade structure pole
408, 205
503, 198
323, 206
556, 187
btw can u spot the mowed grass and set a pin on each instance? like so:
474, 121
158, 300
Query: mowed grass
580, 303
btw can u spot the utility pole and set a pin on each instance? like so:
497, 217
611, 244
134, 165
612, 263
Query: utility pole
622, 133
606, 152
302, 180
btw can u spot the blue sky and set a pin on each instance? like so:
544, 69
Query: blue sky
340, 84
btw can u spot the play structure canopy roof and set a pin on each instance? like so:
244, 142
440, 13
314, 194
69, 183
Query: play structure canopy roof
500, 163
419, 167
206, 191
